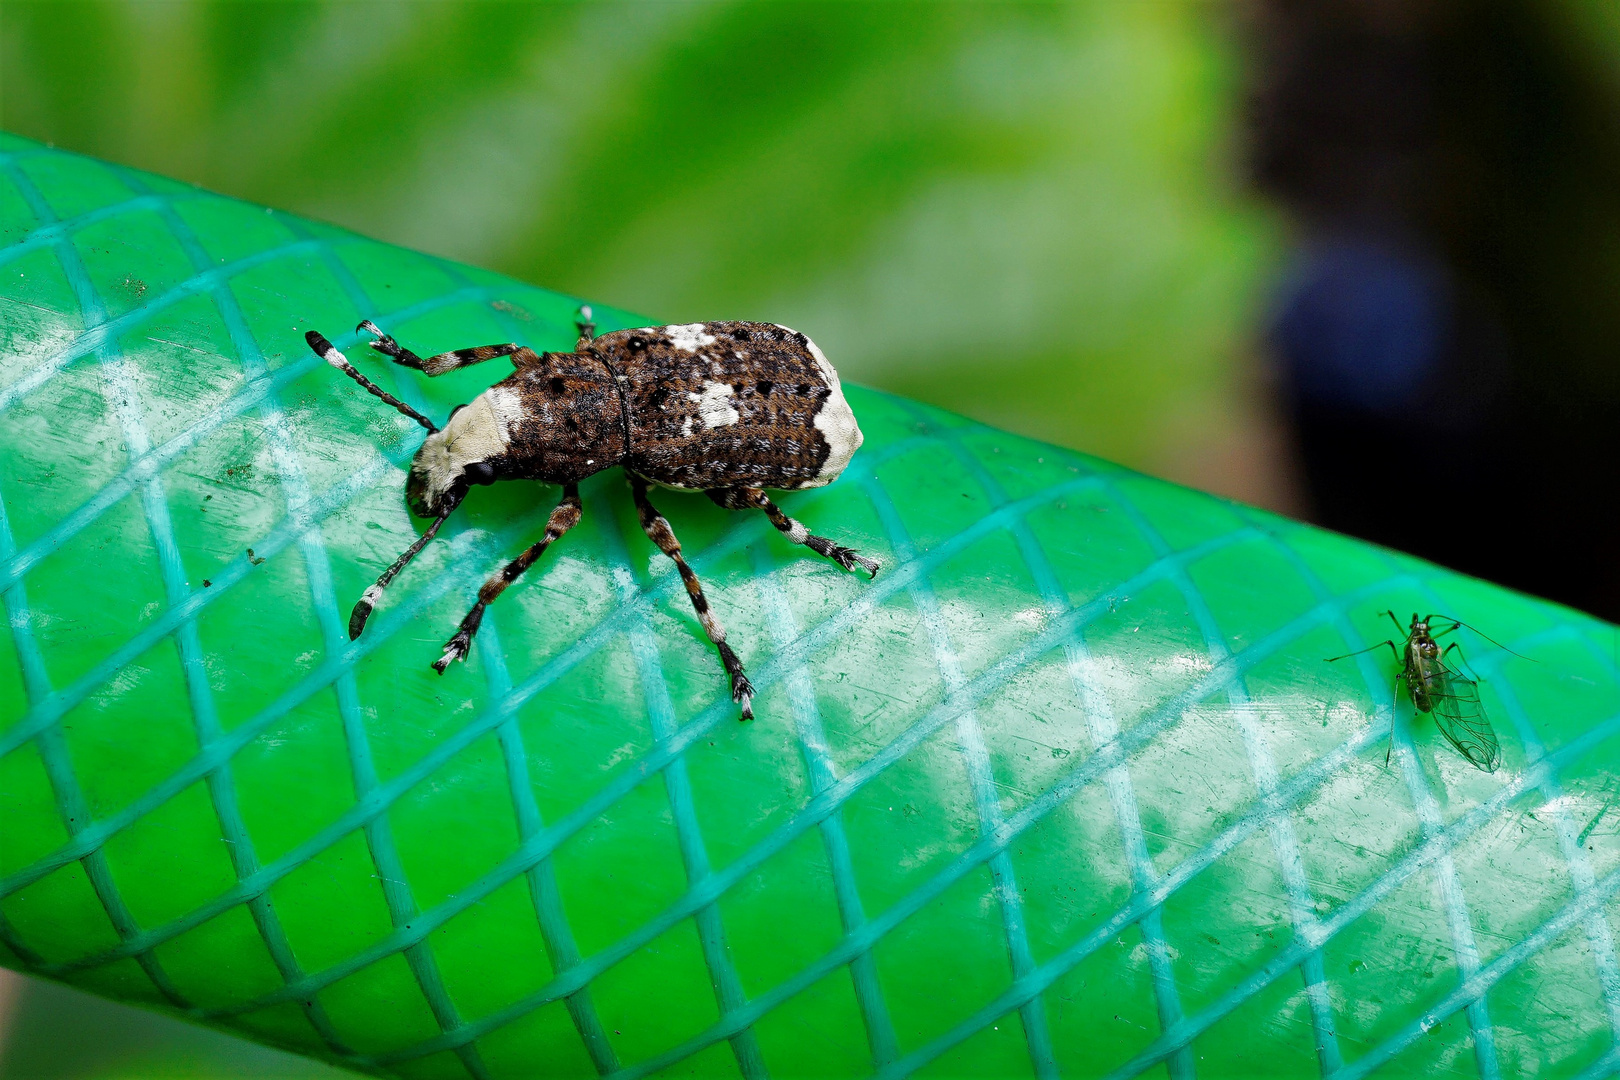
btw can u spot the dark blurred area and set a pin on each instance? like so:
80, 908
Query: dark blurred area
1447, 339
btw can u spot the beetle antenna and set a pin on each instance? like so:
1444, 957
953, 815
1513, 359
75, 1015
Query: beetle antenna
325, 350
587, 328
368, 600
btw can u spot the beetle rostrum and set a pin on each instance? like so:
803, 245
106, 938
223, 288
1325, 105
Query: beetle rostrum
726, 408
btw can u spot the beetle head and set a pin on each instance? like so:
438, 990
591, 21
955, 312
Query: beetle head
468, 450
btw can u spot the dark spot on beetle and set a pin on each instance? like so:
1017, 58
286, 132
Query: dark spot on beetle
764, 387
557, 385
801, 339
804, 389
741, 335
776, 333
657, 398
570, 423
636, 343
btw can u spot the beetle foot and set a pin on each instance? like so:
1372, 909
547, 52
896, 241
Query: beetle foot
742, 692
385, 343
849, 559
454, 649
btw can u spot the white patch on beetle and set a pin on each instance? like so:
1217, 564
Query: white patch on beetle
372, 594
478, 432
714, 404
835, 420
797, 532
827, 371
688, 337
686, 428
507, 408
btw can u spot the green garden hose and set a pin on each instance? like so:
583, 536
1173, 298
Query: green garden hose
1069, 789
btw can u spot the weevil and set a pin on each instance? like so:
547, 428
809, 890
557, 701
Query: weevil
1435, 688
726, 408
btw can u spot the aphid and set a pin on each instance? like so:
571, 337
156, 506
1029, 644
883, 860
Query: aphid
726, 408
1451, 698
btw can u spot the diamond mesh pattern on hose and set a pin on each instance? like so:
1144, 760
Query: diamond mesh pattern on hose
1067, 790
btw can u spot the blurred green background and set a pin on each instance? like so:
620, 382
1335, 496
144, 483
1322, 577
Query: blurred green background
1027, 213
1032, 214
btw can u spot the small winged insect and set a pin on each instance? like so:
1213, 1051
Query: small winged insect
1440, 690
725, 408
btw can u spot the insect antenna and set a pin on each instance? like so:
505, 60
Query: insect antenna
368, 599
1458, 622
325, 350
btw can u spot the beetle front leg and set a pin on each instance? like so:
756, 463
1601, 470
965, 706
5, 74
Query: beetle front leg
563, 518
446, 361
756, 499
658, 531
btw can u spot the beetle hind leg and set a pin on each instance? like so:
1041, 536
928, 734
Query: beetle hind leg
563, 518
756, 499
658, 531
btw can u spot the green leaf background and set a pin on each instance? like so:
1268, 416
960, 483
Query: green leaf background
1027, 213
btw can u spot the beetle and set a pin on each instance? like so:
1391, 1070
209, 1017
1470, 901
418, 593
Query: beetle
726, 408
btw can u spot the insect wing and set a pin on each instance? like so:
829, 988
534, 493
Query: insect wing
1461, 719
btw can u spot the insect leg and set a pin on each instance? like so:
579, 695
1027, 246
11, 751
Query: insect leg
756, 499
1457, 645
1394, 705
443, 362
659, 532
565, 517
1368, 649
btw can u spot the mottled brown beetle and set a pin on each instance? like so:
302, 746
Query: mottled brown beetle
726, 408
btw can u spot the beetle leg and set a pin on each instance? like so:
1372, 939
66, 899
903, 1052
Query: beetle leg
659, 532
445, 361
563, 518
756, 499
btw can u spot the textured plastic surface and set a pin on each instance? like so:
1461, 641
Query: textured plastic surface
1067, 790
